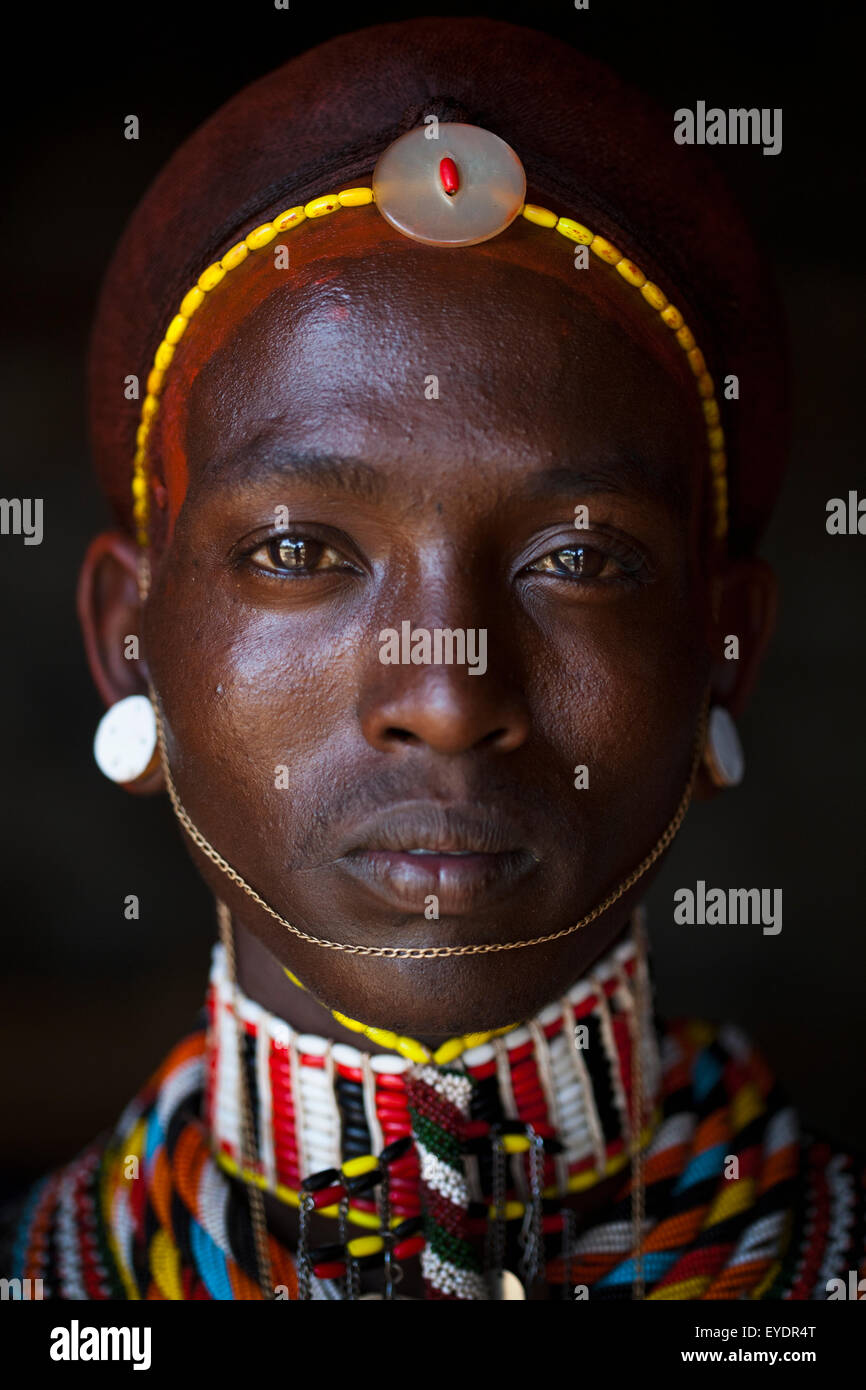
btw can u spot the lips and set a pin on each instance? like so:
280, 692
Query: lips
464, 857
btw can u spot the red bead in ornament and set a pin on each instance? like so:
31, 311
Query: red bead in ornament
449, 175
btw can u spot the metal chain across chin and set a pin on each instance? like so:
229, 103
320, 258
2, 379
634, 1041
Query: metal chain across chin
435, 952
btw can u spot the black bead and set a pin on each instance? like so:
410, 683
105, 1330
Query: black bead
320, 1253
326, 1177
412, 1226
395, 1150
363, 1182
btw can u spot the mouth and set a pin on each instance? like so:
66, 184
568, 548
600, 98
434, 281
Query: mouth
461, 857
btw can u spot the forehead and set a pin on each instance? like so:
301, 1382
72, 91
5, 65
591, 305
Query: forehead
495, 354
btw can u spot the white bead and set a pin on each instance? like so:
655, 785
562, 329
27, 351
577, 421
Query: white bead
313, 1045
125, 740
345, 1055
723, 753
517, 1038
386, 1064
549, 1014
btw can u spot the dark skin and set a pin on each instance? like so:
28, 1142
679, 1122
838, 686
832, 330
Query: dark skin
557, 387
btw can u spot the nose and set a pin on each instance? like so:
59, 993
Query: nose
443, 707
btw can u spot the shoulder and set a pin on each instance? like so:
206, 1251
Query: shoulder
803, 1184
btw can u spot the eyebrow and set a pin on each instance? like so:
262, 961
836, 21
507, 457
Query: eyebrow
628, 475
268, 454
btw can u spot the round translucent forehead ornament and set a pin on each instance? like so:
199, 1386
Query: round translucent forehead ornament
449, 184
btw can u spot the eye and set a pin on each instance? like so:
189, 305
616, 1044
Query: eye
300, 556
572, 562
584, 563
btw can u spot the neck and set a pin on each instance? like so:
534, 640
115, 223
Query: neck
319, 1099
264, 981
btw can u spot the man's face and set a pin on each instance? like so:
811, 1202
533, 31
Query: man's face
388, 434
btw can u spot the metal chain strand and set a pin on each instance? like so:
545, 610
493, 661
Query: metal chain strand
249, 1147
496, 1222
303, 1252
639, 1005
567, 1244
434, 952
531, 1234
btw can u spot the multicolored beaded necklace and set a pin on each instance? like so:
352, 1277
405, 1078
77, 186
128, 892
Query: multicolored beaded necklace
420, 1158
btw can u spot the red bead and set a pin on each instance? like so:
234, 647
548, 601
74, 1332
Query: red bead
350, 1073
307, 1060
330, 1269
407, 1166
519, 1053
364, 1204
413, 1246
481, 1073
327, 1196
449, 175
390, 1081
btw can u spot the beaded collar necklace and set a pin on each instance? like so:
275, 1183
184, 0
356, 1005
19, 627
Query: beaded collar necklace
417, 1156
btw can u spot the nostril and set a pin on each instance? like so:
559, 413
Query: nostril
401, 735
495, 736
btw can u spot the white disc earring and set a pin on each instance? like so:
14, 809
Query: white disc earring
125, 745
723, 751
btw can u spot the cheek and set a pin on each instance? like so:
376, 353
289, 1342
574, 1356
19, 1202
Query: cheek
616, 688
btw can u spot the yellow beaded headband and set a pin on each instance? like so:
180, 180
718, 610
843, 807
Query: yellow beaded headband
446, 185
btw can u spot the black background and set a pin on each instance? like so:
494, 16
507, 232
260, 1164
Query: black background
90, 1002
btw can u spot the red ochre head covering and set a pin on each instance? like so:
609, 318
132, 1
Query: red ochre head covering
593, 149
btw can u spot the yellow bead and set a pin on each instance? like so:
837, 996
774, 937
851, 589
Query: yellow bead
631, 273
261, 236
515, 1143
348, 1022
604, 249
164, 354
211, 277
383, 1036
653, 295
685, 338
294, 979
542, 217
575, 231
365, 1245
353, 1167
290, 218
716, 439
355, 197
155, 380
139, 486
718, 462
705, 385
476, 1039
141, 434
672, 317
233, 257
415, 1051
696, 361
711, 412
149, 408
449, 1051
191, 301
511, 1210
318, 207
333, 1210
176, 329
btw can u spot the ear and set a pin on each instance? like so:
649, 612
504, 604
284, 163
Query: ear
744, 600
109, 611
